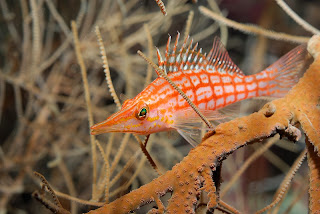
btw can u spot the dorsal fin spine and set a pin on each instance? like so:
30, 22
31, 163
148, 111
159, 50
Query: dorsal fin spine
187, 57
200, 58
160, 61
179, 58
197, 57
210, 54
167, 53
176, 43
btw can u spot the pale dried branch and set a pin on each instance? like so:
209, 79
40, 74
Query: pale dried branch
106, 179
253, 29
150, 55
88, 103
79, 201
48, 188
70, 185
223, 28
296, 198
2, 95
58, 17
18, 102
106, 69
286, 182
8, 16
122, 7
297, 18
82, 11
128, 183
188, 26
36, 41
247, 163
120, 151
124, 168
314, 176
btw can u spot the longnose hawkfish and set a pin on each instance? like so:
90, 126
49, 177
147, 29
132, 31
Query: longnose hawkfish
211, 81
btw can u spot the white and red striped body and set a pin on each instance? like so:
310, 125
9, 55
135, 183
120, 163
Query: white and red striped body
210, 82
206, 89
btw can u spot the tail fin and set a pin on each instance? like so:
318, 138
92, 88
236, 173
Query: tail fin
285, 72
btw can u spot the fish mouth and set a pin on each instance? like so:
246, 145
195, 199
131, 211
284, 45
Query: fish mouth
103, 127
108, 125
96, 131
115, 123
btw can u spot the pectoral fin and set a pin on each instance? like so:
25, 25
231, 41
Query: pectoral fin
190, 126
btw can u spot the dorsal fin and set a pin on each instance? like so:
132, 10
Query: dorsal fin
219, 58
188, 58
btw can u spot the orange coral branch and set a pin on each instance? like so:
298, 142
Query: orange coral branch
314, 182
186, 178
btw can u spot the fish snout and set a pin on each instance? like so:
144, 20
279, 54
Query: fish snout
105, 126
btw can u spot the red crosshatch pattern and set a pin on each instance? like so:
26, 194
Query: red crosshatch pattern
211, 81
209, 91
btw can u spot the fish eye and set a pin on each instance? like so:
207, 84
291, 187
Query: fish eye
142, 113
142, 110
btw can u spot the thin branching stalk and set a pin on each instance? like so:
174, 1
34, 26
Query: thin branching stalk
106, 69
18, 103
150, 55
253, 29
26, 38
36, 32
286, 182
126, 68
105, 8
78, 200
48, 188
89, 17
88, 103
106, 179
188, 26
57, 159
223, 28
135, 174
49, 37
8, 18
297, 18
70, 185
2, 95
122, 7
247, 163
120, 151
124, 168
82, 11
276, 161
55, 56
109, 144
297, 198
58, 17
228, 207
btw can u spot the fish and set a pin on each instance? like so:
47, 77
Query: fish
211, 81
